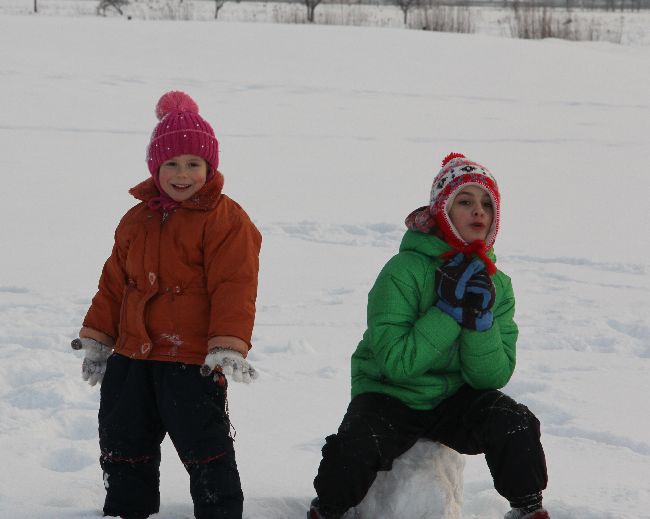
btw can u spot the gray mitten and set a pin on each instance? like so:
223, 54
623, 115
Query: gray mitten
94, 363
232, 363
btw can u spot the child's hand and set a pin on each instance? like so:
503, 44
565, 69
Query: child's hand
479, 299
473, 319
453, 276
94, 363
466, 292
231, 362
480, 292
469, 318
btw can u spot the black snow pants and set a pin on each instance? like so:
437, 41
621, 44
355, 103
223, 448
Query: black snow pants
143, 400
377, 428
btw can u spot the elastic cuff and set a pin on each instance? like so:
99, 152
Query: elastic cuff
228, 342
529, 503
90, 333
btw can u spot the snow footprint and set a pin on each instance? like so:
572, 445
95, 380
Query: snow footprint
35, 398
67, 460
638, 331
82, 426
293, 346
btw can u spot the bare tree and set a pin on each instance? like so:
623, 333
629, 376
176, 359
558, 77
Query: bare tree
107, 4
311, 7
444, 18
218, 4
405, 6
35, 6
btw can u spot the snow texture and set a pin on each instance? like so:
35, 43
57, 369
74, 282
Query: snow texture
329, 137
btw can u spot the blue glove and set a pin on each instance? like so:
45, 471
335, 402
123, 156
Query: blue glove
479, 299
467, 317
480, 292
466, 292
452, 278
475, 320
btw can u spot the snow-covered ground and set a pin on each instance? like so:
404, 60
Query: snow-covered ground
329, 137
628, 27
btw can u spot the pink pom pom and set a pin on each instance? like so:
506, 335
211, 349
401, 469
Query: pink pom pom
452, 156
175, 101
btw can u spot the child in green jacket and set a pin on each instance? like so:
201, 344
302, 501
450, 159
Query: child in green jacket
440, 343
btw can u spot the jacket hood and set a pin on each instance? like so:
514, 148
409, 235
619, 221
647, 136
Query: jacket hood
430, 245
206, 198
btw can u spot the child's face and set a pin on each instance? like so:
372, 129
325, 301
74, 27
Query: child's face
472, 213
182, 176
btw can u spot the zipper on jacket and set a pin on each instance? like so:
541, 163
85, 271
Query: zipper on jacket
165, 215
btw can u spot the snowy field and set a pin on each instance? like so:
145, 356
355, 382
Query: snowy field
329, 137
627, 27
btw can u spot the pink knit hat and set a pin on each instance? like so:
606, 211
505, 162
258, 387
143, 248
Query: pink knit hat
456, 173
181, 131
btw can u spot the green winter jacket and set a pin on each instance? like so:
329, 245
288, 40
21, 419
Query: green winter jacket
419, 354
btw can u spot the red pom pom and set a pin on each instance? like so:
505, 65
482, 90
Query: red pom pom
175, 101
452, 156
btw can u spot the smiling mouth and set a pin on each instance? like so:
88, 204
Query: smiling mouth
181, 187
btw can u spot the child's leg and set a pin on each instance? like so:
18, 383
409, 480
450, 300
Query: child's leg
375, 430
192, 408
130, 432
490, 422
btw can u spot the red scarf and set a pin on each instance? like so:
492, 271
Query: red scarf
479, 248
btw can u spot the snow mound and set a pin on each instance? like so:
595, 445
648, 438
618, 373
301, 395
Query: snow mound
426, 481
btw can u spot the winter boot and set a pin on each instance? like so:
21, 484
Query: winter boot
520, 513
316, 513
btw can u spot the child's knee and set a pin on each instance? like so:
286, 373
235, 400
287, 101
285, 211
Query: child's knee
517, 420
363, 448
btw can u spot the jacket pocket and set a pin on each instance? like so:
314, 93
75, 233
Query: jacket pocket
179, 315
124, 309
191, 315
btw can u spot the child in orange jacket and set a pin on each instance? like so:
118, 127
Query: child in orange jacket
174, 312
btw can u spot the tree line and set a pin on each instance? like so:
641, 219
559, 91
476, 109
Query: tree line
406, 6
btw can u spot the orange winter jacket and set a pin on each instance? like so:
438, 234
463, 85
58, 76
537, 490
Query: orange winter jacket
175, 283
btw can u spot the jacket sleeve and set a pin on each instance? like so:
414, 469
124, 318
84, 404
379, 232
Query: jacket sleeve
104, 313
232, 249
405, 343
488, 358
